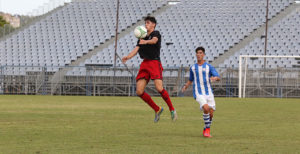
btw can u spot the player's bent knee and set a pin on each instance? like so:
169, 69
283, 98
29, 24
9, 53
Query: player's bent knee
205, 109
139, 92
159, 89
158, 85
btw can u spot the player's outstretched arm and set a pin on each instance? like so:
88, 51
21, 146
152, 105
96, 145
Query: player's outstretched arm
131, 54
186, 86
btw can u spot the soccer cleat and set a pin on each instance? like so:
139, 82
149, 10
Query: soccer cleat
207, 133
157, 114
174, 115
204, 131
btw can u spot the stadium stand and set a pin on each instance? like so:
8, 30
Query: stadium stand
283, 40
70, 33
79, 27
214, 24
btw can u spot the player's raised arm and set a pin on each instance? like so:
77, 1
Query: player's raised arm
131, 54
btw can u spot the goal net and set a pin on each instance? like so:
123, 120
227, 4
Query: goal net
269, 76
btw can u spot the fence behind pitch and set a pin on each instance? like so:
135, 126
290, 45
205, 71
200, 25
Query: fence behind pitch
107, 81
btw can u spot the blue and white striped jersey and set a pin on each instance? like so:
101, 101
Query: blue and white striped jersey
200, 75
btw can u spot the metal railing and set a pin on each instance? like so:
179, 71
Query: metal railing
107, 81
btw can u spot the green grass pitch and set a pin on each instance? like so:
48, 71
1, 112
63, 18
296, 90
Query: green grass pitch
67, 124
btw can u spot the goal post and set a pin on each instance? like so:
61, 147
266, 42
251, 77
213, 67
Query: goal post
243, 69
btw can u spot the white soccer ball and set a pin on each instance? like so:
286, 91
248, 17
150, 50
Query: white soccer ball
140, 32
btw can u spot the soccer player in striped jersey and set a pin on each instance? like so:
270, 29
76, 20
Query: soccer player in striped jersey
201, 75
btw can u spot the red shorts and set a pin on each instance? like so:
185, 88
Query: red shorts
150, 69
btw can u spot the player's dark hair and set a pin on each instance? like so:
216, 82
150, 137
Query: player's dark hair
150, 18
200, 48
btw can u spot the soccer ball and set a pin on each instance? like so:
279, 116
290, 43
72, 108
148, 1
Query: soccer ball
140, 32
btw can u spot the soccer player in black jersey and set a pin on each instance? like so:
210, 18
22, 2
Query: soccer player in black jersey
151, 68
